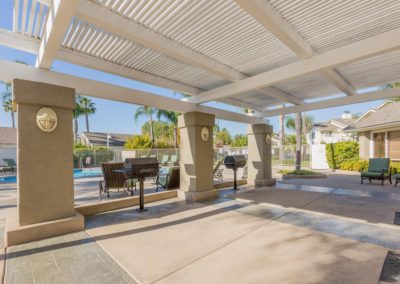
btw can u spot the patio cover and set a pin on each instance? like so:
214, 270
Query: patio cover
254, 54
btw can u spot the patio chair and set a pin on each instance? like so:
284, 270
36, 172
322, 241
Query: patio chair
164, 160
170, 180
396, 177
217, 172
10, 164
174, 160
114, 180
378, 168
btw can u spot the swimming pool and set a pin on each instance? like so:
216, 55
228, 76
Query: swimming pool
78, 173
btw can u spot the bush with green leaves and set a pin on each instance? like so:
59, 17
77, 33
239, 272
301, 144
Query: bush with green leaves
138, 142
239, 140
103, 155
354, 165
341, 152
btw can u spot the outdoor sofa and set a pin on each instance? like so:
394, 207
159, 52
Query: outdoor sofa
379, 169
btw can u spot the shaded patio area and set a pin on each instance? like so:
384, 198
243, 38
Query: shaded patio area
281, 234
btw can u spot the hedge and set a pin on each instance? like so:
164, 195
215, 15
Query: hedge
342, 153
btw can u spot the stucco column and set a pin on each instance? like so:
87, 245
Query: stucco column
45, 166
196, 156
259, 160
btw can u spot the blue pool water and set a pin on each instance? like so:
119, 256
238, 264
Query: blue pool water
78, 173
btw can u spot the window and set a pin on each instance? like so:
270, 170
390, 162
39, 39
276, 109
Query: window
379, 145
394, 145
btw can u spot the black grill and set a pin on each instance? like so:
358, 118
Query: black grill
141, 168
235, 162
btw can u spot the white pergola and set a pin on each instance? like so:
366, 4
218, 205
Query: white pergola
254, 54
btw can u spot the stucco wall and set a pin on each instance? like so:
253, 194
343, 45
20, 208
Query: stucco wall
364, 141
45, 181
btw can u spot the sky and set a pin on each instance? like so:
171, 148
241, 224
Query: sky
117, 117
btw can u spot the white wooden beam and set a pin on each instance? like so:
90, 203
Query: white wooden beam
359, 50
105, 19
45, 2
116, 69
61, 13
347, 100
10, 70
267, 16
337, 79
279, 94
30, 45
112, 22
19, 41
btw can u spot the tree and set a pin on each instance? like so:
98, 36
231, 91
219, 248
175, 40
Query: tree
223, 137
290, 139
76, 113
6, 97
281, 137
138, 142
172, 117
240, 140
163, 132
88, 108
8, 107
298, 126
149, 113
393, 85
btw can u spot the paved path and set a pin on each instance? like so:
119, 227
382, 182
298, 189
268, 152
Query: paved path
298, 232
73, 258
247, 237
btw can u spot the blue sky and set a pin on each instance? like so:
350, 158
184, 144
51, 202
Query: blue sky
116, 117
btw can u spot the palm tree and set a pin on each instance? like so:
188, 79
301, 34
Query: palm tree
281, 137
298, 126
148, 112
6, 95
76, 113
88, 108
172, 117
8, 107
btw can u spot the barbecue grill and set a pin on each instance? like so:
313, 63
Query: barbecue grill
235, 162
141, 168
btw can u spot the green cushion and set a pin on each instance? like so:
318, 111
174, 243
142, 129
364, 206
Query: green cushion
378, 164
373, 174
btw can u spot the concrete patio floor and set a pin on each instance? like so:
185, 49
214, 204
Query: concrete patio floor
297, 232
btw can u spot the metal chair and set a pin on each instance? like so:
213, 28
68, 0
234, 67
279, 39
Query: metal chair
378, 168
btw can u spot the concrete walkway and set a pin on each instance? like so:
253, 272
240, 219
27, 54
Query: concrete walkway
297, 232
242, 238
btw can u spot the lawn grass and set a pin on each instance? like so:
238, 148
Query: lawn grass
300, 172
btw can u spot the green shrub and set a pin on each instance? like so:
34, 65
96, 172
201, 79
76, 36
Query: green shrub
298, 172
354, 165
342, 152
138, 142
104, 155
80, 154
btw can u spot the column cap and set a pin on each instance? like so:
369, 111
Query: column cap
50, 95
259, 128
196, 118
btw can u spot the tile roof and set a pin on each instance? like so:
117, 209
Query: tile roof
388, 113
98, 139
